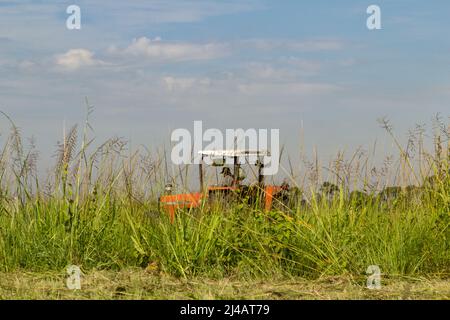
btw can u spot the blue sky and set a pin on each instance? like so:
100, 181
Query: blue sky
149, 67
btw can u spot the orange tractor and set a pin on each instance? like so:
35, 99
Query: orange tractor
170, 203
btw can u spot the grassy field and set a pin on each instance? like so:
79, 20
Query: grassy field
98, 210
141, 284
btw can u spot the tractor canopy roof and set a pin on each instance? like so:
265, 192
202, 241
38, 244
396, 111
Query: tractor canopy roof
234, 153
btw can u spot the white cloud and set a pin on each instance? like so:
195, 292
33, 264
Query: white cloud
441, 89
292, 89
295, 45
285, 69
174, 51
197, 89
27, 65
181, 84
5, 62
350, 62
316, 45
77, 58
267, 71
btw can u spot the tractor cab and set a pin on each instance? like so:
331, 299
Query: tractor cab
232, 171
230, 182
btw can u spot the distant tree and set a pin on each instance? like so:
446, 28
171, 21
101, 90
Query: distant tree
359, 198
328, 190
390, 193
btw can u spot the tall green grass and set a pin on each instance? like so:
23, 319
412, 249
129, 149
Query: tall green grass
98, 209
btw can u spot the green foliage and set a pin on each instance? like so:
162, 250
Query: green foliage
101, 213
